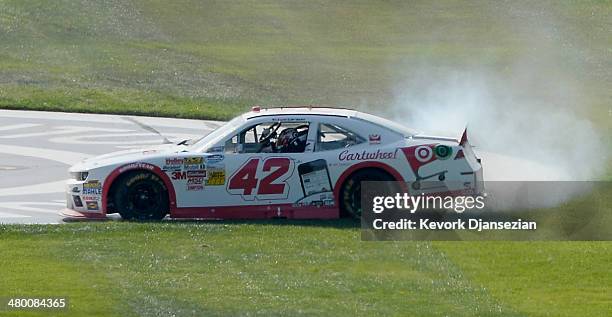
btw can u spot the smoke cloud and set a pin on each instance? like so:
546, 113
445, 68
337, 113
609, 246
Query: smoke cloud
525, 114
519, 137
525, 110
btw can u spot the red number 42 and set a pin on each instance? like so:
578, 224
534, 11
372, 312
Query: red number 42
244, 182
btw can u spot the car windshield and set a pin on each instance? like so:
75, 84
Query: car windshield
214, 137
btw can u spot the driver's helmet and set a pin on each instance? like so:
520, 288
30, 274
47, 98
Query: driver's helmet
285, 138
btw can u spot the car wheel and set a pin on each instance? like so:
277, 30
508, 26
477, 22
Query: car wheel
350, 194
141, 196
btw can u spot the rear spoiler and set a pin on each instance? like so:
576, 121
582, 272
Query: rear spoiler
466, 144
464, 138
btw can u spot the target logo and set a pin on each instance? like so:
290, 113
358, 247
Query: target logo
423, 153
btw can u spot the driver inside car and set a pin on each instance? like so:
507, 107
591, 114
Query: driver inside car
292, 140
288, 140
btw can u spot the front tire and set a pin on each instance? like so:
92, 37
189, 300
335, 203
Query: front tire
350, 194
141, 196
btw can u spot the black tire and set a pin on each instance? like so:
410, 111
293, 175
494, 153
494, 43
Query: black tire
350, 194
141, 195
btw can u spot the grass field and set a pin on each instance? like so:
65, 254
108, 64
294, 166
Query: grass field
284, 267
213, 59
296, 268
210, 59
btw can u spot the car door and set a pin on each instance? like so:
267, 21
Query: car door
262, 162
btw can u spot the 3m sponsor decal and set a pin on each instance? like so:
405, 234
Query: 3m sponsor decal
374, 138
179, 175
347, 155
92, 205
196, 173
93, 187
216, 177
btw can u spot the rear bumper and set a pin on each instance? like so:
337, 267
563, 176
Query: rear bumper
479, 181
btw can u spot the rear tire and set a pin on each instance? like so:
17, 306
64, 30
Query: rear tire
141, 196
350, 194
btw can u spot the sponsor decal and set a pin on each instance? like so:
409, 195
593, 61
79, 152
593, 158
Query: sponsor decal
423, 153
195, 187
92, 205
195, 181
179, 175
288, 119
174, 161
215, 158
196, 173
194, 163
193, 160
173, 164
419, 156
374, 138
443, 152
91, 198
132, 166
347, 155
216, 177
93, 187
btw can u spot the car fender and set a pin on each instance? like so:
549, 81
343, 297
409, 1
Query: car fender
138, 166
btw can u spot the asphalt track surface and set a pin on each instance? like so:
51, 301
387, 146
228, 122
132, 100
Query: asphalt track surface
37, 148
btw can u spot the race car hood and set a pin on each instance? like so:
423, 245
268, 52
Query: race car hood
127, 156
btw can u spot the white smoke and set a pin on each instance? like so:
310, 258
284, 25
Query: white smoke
519, 137
526, 113
520, 133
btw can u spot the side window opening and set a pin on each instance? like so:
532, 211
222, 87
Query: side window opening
270, 137
332, 137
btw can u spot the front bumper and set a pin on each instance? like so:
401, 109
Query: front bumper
83, 200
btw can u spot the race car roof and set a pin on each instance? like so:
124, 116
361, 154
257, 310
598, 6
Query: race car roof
339, 112
300, 111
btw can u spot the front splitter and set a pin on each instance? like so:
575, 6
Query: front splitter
70, 215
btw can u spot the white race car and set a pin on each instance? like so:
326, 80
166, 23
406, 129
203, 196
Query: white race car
283, 162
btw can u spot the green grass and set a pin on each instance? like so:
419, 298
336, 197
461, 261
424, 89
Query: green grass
212, 59
296, 268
